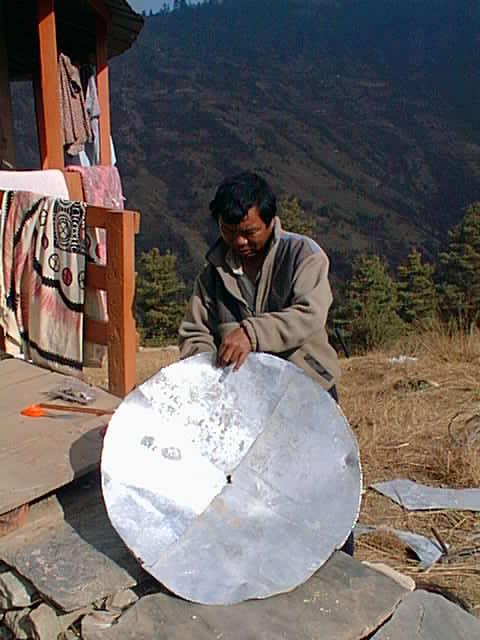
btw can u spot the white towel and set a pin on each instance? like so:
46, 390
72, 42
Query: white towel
50, 182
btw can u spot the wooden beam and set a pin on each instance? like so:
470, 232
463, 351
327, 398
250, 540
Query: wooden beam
97, 217
96, 332
120, 297
48, 109
96, 277
74, 185
7, 142
103, 92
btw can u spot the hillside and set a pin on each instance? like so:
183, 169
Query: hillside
364, 110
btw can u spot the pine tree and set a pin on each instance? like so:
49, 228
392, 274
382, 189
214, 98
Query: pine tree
417, 296
371, 312
293, 217
459, 285
160, 300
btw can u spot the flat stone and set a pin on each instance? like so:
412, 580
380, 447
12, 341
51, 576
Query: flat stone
344, 600
406, 581
73, 556
121, 600
45, 623
428, 616
95, 623
15, 591
18, 623
66, 620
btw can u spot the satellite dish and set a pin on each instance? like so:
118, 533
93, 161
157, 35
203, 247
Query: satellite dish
229, 486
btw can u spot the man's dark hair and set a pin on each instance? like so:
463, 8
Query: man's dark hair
237, 194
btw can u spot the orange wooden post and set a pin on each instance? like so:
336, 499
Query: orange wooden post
48, 108
103, 92
7, 142
120, 277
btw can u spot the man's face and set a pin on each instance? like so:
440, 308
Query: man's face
249, 237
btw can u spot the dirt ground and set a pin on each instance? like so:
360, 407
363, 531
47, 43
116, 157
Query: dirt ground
416, 419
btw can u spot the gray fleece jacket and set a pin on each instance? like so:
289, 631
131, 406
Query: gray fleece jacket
289, 312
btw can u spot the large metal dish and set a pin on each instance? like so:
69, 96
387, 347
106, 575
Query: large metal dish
231, 487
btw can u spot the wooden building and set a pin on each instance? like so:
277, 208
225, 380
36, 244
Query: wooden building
32, 34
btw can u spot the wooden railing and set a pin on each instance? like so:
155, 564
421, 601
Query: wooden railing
117, 279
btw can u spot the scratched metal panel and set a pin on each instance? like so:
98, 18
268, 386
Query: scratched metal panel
231, 487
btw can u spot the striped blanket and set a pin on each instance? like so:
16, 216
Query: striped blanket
44, 248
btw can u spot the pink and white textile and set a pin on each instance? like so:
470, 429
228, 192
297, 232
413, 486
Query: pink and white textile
44, 248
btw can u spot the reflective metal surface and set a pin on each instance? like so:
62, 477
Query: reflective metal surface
414, 496
231, 487
428, 551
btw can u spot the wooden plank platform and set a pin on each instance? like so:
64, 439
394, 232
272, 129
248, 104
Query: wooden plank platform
38, 455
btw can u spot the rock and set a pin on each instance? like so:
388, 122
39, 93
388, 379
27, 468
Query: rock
14, 590
96, 621
121, 600
44, 623
426, 616
18, 623
5, 633
68, 619
406, 582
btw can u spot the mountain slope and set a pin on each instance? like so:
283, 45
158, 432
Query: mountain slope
365, 110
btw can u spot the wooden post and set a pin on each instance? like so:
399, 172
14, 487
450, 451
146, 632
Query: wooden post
103, 91
7, 145
120, 277
48, 108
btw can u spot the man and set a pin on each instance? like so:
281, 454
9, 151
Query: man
263, 289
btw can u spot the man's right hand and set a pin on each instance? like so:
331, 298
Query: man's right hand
234, 349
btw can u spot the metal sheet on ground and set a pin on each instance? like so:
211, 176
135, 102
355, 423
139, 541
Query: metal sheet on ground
38, 455
428, 616
344, 600
414, 496
231, 486
70, 551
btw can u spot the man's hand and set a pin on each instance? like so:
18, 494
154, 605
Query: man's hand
234, 349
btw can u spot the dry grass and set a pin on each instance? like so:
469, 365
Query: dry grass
149, 361
420, 420
417, 420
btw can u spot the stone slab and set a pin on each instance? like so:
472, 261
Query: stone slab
69, 551
428, 616
344, 600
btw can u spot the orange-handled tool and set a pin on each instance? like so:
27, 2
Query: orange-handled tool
38, 410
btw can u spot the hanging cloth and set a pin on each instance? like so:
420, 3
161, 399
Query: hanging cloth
101, 185
44, 248
75, 120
